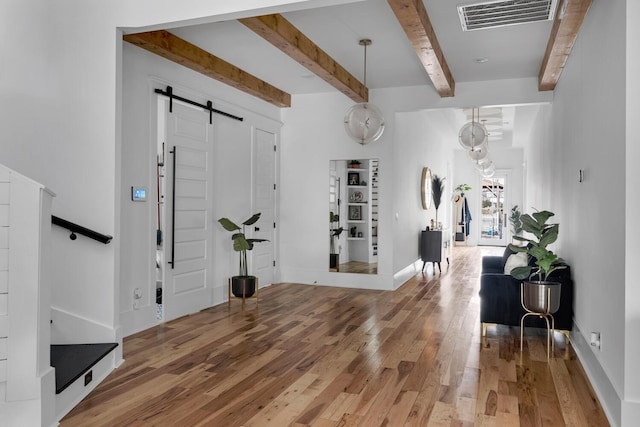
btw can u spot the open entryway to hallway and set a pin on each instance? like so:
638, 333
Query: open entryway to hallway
494, 228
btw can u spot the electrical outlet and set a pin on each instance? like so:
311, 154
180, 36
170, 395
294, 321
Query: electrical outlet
137, 293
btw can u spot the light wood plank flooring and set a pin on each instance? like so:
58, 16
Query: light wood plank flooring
323, 356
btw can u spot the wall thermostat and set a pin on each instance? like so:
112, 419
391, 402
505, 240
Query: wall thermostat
138, 194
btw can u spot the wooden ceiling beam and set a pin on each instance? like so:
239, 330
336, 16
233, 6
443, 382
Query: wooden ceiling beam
413, 17
175, 49
282, 34
569, 18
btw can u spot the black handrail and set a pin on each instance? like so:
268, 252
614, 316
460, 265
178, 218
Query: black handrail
75, 228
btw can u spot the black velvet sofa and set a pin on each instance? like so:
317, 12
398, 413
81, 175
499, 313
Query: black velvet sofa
500, 297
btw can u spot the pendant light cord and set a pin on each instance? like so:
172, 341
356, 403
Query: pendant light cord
365, 43
365, 64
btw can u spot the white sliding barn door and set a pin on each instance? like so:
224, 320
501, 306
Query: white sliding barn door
188, 246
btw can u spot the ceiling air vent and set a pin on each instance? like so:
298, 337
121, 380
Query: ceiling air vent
493, 14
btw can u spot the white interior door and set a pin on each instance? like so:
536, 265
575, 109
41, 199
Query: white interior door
264, 156
187, 283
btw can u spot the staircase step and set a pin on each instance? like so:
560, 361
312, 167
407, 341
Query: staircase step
71, 361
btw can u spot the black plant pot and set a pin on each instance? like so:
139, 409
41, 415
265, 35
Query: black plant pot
243, 285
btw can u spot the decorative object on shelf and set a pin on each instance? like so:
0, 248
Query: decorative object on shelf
364, 121
334, 231
538, 297
353, 231
425, 188
243, 285
358, 197
354, 164
353, 178
355, 213
437, 189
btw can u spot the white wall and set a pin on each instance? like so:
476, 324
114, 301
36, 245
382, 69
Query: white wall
422, 139
630, 411
588, 132
60, 113
313, 135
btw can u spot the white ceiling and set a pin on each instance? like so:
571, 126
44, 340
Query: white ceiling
511, 52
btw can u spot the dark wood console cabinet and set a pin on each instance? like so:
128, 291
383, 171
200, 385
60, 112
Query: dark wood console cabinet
435, 247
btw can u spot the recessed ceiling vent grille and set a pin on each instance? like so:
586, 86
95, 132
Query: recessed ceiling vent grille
493, 14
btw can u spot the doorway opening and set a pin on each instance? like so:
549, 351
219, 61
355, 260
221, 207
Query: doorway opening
493, 225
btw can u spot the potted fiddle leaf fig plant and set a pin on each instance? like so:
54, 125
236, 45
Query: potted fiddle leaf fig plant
541, 295
243, 285
334, 231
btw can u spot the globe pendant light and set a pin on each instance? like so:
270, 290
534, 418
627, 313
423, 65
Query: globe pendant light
486, 169
364, 121
473, 134
479, 153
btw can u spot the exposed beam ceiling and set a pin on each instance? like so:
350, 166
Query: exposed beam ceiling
282, 34
184, 53
413, 18
567, 23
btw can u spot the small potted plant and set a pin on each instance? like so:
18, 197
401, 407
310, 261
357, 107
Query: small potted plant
354, 164
334, 231
542, 295
460, 189
242, 285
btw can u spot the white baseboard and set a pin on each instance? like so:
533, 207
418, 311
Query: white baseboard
609, 398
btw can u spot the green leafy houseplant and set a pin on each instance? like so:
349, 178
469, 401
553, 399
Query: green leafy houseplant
461, 189
546, 262
240, 243
516, 223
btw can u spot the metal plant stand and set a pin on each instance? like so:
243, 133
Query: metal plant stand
243, 297
542, 305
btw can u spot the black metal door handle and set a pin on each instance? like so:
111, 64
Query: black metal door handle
173, 209
256, 228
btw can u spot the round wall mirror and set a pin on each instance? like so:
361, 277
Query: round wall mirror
426, 188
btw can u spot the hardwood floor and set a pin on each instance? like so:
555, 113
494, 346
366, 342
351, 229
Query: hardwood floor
359, 267
323, 356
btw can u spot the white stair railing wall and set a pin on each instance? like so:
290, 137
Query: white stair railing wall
27, 381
